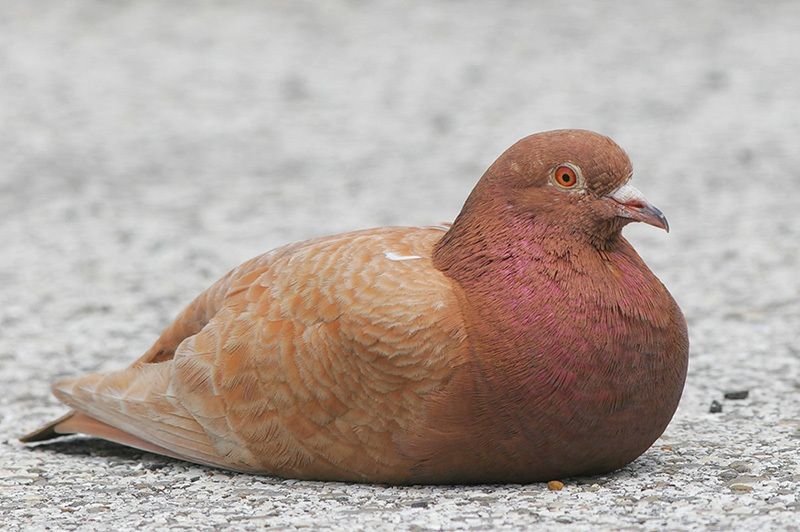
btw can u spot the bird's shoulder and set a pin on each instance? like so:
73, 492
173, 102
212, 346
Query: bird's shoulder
372, 271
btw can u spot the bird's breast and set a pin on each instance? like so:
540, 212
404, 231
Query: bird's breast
572, 369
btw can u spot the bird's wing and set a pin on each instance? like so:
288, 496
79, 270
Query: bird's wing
319, 356
189, 322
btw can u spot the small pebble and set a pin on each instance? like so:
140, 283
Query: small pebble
740, 394
741, 467
555, 485
738, 486
716, 407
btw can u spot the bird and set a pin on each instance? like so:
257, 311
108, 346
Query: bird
524, 342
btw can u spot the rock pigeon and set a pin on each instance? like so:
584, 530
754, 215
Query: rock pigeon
525, 342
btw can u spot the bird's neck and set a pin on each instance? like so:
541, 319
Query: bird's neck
511, 270
497, 241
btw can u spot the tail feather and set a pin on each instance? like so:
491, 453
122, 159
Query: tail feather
54, 429
78, 423
131, 407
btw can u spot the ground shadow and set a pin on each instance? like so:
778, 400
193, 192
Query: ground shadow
96, 447
88, 446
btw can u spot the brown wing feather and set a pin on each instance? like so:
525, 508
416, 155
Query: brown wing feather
318, 358
136, 402
189, 322
76, 422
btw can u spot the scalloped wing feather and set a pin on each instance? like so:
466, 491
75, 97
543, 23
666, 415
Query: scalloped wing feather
311, 361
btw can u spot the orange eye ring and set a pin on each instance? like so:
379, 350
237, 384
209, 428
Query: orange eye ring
565, 176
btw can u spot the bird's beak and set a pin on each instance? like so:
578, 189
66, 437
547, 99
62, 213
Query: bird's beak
632, 204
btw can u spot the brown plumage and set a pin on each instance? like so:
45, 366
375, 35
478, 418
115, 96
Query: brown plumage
527, 341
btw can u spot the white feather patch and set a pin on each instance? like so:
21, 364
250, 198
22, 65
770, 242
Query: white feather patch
394, 256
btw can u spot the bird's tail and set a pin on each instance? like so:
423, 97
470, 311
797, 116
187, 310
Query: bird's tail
58, 427
132, 407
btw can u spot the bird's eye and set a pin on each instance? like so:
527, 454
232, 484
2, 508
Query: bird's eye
565, 176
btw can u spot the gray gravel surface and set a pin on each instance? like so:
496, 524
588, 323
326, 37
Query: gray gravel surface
148, 147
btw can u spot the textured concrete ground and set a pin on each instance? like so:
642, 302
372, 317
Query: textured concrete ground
146, 148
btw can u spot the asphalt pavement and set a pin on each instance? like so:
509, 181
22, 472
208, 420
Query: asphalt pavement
148, 147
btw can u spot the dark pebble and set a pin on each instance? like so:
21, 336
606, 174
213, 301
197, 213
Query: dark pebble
741, 394
716, 407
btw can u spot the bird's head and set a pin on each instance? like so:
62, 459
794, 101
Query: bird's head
572, 181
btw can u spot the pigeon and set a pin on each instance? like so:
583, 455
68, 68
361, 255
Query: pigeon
526, 341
